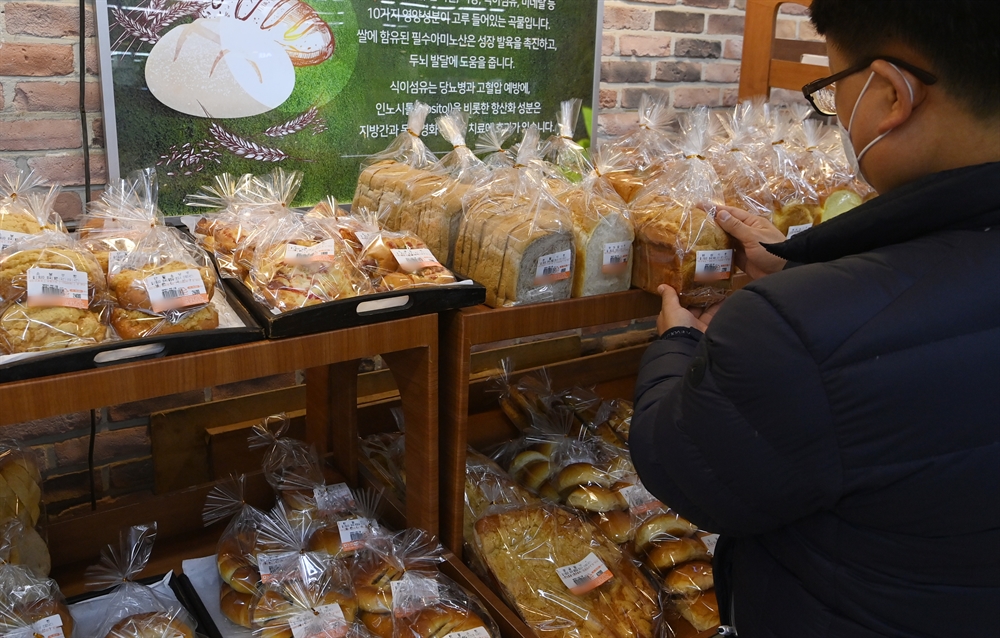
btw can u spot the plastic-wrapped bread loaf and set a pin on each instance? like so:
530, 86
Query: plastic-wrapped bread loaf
648, 149
677, 241
601, 594
516, 237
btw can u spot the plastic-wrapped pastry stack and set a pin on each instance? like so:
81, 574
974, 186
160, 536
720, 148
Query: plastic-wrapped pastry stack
677, 239
21, 501
796, 203
392, 170
745, 184
516, 237
401, 259
134, 610
26, 208
53, 295
820, 156
29, 602
647, 149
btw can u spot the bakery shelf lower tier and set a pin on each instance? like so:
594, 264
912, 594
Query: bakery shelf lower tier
330, 360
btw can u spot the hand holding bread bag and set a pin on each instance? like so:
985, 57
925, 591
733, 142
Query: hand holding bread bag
392, 170
134, 610
678, 242
53, 295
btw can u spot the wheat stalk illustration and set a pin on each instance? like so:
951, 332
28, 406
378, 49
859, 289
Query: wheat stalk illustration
145, 24
189, 158
245, 148
293, 125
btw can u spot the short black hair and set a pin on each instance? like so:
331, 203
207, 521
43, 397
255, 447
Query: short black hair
960, 38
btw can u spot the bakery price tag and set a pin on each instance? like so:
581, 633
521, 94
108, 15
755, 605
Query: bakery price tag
589, 573
115, 260
327, 621
710, 540
411, 593
616, 257
323, 251
51, 287
333, 498
478, 632
50, 627
272, 565
366, 237
553, 267
713, 265
352, 532
178, 289
8, 237
795, 230
412, 260
639, 499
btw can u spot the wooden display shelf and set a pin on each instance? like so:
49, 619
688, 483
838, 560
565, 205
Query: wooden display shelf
331, 361
460, 330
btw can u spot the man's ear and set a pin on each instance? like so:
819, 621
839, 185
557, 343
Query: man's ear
907, 92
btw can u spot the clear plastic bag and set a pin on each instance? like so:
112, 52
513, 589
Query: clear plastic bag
53, 294
397, 260
796, 203
240, 542
386, 452
648, 149
344, 519
21, 500
26, 207
745, 184
299, 262
166, 284
562, 150
677, 240
391, 170
29, 603
290, 465
134, 610
490, 145
820, 156
425, 606
563, 577
602, 228
516, 237
384, 559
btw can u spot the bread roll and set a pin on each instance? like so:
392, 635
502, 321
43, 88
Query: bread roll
596, 499
689, 579
578, 474
666, 554
379, 624
668, 525
438, 622
615, 524
524, 458
154, 624
236, 605
534, 475
237, 572
41, 609
702, 612
271, 606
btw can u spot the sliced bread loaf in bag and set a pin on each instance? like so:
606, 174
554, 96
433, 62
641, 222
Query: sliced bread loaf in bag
677, 240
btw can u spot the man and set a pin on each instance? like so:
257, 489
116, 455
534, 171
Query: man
838, 422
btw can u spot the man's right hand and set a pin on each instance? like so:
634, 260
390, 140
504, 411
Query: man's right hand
750, 231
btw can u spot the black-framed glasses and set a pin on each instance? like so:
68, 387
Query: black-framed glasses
821, 93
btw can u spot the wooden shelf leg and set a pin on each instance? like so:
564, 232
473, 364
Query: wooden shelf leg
415, 371
454, 393
332, 414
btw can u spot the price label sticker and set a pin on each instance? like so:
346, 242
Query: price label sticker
50, 627
333, 498
795, 230
179, 289
616, 256
412, 593
365, 237
412, 260
589, 573
553, 267
115, 260
50, 287
478, 632
713, 265
639, 499
351, 533
710, 540
8, 237
323, 251
327, 621
271, 565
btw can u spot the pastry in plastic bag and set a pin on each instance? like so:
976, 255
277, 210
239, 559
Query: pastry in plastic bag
26, 208
433, 606
745, 183
385, 559
27, 598
113, 225
395, 260
563, 577
241, 541
134, 610
647, 149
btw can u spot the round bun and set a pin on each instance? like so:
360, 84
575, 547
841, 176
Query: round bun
549, 493
235, 605
578, 474
616, 525
525, 458
664, 526
238, 573
379, 624
666, 554
374, 600
153, 624
348, 604
702, 612
689, 579
534, 474
271, 607
326, 539
596, 499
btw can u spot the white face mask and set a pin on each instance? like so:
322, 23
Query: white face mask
853, 157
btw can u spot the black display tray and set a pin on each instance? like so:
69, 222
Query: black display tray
185, 594
88, 358
358, 311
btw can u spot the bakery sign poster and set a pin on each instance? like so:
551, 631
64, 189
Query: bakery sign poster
202, 87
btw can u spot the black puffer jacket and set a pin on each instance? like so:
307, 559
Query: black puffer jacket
839, 423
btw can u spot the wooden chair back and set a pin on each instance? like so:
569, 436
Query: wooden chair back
769, 62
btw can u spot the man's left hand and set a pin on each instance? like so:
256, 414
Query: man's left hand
672, 315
